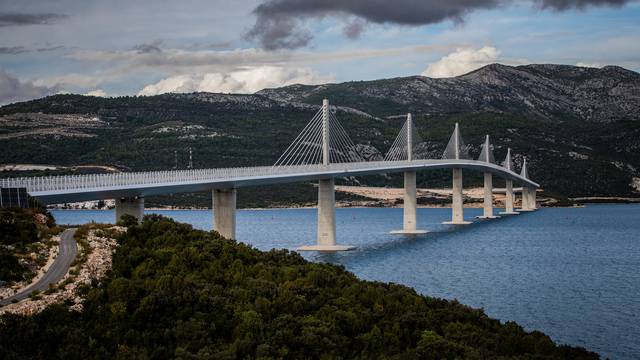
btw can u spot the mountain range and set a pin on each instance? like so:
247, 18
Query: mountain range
578, 127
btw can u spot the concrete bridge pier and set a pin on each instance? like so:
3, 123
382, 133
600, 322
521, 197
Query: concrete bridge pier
509, 199
457, 209
533, 202
526, 199
524, 204
224, 212
326, 236
488, 198
133, 206
409, 206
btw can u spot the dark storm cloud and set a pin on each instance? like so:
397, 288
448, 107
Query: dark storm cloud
21, 19
13, 90
50, 48
278, 32
353, 29
280, 23
13, 50
148, 48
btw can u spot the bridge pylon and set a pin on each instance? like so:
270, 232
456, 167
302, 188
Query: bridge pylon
404, 146
457, 150
326, 225
486, 155
532, 203
410, 204
323, 141
528, 193
508, 184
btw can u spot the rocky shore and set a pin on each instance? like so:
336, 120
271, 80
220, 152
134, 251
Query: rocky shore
393, 197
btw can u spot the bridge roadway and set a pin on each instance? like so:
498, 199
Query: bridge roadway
75, 188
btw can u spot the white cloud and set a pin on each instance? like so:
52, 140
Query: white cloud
97, 92
180, 83
248, 80
462, 61
590, 65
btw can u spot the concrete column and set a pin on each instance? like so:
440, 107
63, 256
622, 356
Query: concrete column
530, 194
410, 201
524, 196
457, 214
133, 206
224, 212
533, 202
326, 236
326, 212
508, 203
526, 199
409, 206
488, 197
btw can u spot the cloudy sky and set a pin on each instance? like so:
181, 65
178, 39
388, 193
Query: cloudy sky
124, 47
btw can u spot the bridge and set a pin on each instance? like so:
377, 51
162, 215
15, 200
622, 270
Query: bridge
321, 152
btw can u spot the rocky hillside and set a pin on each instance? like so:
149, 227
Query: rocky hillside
554, 92
579, 127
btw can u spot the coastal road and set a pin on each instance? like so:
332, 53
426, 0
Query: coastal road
57, 270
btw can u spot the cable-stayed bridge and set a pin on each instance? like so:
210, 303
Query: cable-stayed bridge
322, 151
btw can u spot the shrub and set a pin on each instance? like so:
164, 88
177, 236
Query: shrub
127, 220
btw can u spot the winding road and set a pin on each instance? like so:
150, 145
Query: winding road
60, 266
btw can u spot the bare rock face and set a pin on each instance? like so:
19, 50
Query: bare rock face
427, 150
231, 101
369, 153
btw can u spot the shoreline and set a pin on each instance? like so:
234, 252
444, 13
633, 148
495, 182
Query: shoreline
347, 207
606, 200
382, 197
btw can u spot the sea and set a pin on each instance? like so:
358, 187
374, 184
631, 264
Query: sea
572, 273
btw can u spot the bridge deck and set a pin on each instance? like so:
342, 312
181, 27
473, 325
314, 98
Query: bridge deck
60, 189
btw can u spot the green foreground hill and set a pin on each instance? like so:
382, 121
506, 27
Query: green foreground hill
176, 292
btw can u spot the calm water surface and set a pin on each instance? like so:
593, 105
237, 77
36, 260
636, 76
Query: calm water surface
572, 273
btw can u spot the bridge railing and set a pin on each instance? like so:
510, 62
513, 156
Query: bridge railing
134, 179
97, 181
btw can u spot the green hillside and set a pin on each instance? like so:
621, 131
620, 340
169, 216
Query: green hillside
175, 292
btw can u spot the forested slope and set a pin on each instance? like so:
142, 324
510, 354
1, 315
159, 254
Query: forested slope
184, 293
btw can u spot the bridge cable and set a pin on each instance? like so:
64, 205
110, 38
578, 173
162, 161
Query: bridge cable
309, 130
296, 140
